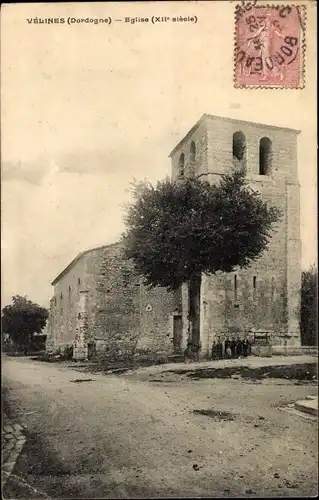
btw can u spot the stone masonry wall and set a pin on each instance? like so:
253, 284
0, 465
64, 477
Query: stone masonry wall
64, 306
157, 307
124, 316
119, 315
114, 292
197, 165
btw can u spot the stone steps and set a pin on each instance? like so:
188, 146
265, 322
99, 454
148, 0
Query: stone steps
308, 405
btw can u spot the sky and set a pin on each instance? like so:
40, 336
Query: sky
85, 108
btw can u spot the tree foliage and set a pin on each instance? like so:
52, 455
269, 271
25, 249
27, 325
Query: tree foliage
177, 230
21, 319
309, 307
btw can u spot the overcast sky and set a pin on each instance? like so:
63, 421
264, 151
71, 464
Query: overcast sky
87, 107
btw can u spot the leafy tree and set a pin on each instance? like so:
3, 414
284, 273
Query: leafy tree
21, 319
178, 230
309, 307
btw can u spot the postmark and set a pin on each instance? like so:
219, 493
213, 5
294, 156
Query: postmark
269, 46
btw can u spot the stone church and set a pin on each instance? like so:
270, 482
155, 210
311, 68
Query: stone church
100, 304
99, 301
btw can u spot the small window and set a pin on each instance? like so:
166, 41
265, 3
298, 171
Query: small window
254, 287
181, 165
265, 156
61, 296
192, 152
69, 289
79, 281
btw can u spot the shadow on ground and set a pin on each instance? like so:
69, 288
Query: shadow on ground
110, 367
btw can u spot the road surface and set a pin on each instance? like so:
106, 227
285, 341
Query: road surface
127, 437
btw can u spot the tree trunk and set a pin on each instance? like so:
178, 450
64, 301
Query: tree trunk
26, 345
194, 286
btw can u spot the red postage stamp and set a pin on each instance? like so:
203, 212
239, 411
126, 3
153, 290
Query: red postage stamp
269, 46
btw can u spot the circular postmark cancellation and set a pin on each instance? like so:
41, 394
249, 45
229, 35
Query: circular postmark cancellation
269, 46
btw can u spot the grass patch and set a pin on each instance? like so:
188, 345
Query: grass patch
216, 415
300, 372
78, 380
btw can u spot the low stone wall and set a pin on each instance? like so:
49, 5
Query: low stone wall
280, 350
262, 351
116, 350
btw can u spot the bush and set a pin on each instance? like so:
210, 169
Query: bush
309, 307
68, 352
161, 360
150, 357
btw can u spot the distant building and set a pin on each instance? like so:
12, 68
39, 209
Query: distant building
99, 301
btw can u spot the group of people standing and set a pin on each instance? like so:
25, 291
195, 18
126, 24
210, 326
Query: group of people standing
231, 348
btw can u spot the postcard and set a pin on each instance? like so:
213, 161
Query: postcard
159, 249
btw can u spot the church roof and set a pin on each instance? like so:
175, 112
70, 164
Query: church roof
206, 116
79, 257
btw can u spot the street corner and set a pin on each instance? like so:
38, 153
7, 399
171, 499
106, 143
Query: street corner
13, 440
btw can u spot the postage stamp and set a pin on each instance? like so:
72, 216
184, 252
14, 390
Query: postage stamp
269, 46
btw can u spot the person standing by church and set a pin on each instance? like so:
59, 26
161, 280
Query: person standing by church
245, 347
214, 350
238, 347
227, 348
249, 346
233, 347
220, 348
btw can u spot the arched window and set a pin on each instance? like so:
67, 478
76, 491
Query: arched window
181, 165
265, 156
239, 148
192, 152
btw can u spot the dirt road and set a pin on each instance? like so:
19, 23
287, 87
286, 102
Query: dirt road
131, 437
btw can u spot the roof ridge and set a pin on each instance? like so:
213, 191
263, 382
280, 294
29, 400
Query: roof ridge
234, 120
78, 257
